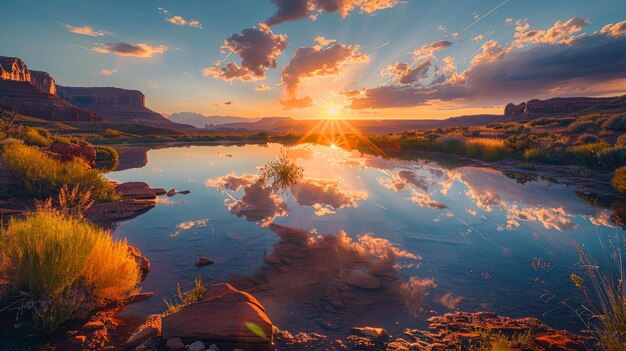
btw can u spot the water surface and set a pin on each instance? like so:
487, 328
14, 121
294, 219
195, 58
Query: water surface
363, 239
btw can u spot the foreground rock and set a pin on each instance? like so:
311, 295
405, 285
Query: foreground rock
458, 331
225, 314
137, 198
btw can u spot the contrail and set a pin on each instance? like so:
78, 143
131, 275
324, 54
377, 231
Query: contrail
225, 58
487, 14
383, 45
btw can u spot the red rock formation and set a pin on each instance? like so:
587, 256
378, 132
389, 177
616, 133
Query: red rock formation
118, 105
554, 107
43, 81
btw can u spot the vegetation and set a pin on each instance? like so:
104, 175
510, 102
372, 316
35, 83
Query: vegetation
65, 266
107, 156
619, 179
185, 298
606, 300
282, 172
43, 176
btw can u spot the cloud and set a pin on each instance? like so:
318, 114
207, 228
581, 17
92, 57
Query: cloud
259, 202
153, 85
404, 179
293, 10
262, 87
556, 60
108, 72
404, 73
615, 30
258, 49
86, 30
179, 20
325, 195
427, 50
478, 37
328, 58
131, 50
189, 225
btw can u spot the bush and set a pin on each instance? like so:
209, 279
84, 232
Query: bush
613, 158
619, 179
586, 139
36, 137
585, 155
43, 176
282, 172
583, 125
621, 141
112, 133
106, 155
452, 143
486, 148
617, 122
64, 264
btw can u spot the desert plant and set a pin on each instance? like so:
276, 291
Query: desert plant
613, 158
112, 133
582, 125
64, 264
185, 298
617, 122
619, 179
586, 139
106, 155
282, 172
36, 137
43, 176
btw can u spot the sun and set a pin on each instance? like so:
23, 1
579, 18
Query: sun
332, 111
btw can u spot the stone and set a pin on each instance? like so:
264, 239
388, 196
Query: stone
376, 333
361, 279
558, 342
196, 346
79, 339
213, 347
67, 152
556, 107
224, 314
150, 329
93, 325
203, 261
175, 344
142, 262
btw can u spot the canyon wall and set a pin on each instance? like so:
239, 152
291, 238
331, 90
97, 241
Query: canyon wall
554, 107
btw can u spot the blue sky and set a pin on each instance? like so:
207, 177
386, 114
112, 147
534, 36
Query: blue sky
35, 32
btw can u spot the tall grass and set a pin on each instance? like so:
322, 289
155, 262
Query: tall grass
185, 298
619, 179
61, 261
42, 176
282, 172
608, 302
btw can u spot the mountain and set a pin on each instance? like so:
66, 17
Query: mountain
286, 124
118, 105
201, 121
32, 93
559, 107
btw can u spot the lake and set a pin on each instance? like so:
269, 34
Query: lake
364, 240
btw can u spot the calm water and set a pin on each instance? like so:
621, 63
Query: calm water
417, 237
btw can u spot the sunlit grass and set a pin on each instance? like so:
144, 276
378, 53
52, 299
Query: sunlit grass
282, 172
185, 298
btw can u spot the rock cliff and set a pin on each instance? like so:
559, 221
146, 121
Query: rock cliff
555, 107
32, 93
117, 105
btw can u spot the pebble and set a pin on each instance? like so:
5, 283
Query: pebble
196, 346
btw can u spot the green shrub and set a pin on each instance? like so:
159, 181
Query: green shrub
619, 179
582, 125
112, 133
36, 137
451, 143
586, 139
613, 158
282, 172
43, 176
64, 264
585, 155
621, 141
185, 298
617, 122
106, 155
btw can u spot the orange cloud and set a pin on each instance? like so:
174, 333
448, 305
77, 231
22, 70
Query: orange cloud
292, 10
316, 61
108, 72
325, 195
130, 50
615, 30
86, 30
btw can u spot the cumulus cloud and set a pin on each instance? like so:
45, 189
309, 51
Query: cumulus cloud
179, 20
404, 73
259, 202
327, 58
292, 10
615, 30
86, 30
325, 195
258, 49
131, 50
181, 227
534, 65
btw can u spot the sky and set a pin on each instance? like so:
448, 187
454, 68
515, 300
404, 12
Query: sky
380, 59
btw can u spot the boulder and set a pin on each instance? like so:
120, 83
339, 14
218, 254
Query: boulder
142, 262
71, 151
224, 314
203, 261
197, 346
175, 344
150, 329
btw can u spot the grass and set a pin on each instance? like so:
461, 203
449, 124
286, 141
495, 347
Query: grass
606, 300
282, 172
65, 264
107, 156
43, 176
185, 298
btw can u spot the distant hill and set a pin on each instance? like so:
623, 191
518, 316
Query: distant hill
201, 121
286, 124
118, 105
561, 107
